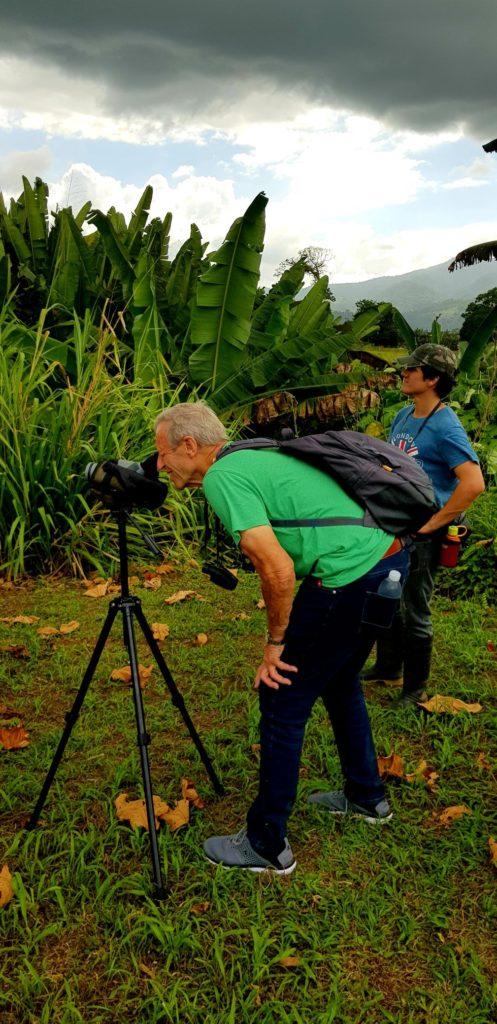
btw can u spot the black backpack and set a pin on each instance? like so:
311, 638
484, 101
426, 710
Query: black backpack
396, 494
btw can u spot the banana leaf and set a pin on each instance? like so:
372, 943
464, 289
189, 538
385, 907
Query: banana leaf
5, 277
363, 325
220, 323
312, 311
11, 235
285, 363
67, 266
82, 214
37, 226
289, 284
114, 249
404, 329
477, 343
436, 333
137, 223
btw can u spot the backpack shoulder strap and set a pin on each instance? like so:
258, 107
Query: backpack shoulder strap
256, 444
268, 444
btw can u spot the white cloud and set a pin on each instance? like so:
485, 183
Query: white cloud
363, 253
185, 171
464, 183
337, 164
359, 251
209, 202
30, 162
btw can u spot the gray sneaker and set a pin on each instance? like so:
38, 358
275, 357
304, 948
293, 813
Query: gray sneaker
337, 803
237, 852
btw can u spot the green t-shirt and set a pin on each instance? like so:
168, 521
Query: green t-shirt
249, 488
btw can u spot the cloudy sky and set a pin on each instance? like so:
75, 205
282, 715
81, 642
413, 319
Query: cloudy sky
362, 120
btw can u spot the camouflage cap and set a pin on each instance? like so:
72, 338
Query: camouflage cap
437, 356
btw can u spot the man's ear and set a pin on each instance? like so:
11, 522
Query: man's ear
191, 446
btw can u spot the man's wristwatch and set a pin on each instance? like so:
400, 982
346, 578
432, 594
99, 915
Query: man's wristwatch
273, 642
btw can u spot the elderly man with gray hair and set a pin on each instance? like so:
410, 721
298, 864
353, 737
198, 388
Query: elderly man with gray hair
314, 646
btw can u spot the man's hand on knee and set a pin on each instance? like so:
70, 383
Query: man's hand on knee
268, 672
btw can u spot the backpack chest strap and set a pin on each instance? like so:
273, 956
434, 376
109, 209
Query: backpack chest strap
329, 521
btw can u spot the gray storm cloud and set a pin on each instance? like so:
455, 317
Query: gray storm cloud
421, 64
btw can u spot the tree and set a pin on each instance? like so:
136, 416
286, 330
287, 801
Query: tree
387, 333
315, 260
476, 311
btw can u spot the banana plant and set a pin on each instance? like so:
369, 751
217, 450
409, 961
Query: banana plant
482, 336
222, 310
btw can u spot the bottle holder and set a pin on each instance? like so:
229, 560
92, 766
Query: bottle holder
379, 611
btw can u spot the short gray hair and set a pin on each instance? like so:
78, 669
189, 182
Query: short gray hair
192, 419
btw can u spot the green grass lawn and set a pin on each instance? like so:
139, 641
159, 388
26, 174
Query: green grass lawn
392, 924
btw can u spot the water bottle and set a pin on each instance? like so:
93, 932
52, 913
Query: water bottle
380, 606
451, 546
391, 586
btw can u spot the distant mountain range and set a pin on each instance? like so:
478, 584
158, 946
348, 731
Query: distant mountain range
422, 294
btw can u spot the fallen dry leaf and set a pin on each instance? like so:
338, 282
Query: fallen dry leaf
289, 961
261, 604
164, 569
134, 581
483, 762
176, 816
124, 674
200, 908
188, 792
147, 970
391, 766
180, 595
154, 583
135, 811
15, 650
159, 630
240, 615
69, 627
441, 705
453, 813
201, 639
22, 620
256, 749
99, 591
14, 737
424, 773
6, 890
492, 845
48, 631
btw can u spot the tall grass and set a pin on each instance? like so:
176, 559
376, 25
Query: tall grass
50, 428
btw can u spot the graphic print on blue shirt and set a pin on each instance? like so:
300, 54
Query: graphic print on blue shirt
441, 446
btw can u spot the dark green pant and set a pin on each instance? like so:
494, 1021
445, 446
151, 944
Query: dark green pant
406, 647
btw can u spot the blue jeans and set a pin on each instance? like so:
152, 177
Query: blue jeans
325, 641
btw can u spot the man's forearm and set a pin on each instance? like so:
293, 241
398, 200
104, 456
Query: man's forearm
461, 498
278, 597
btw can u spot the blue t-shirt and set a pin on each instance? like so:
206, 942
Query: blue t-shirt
441, 446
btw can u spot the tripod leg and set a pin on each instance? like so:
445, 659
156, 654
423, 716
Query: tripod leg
143, 741
178, 701
72, 715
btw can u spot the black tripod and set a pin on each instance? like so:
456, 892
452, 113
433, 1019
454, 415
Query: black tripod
130, 608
